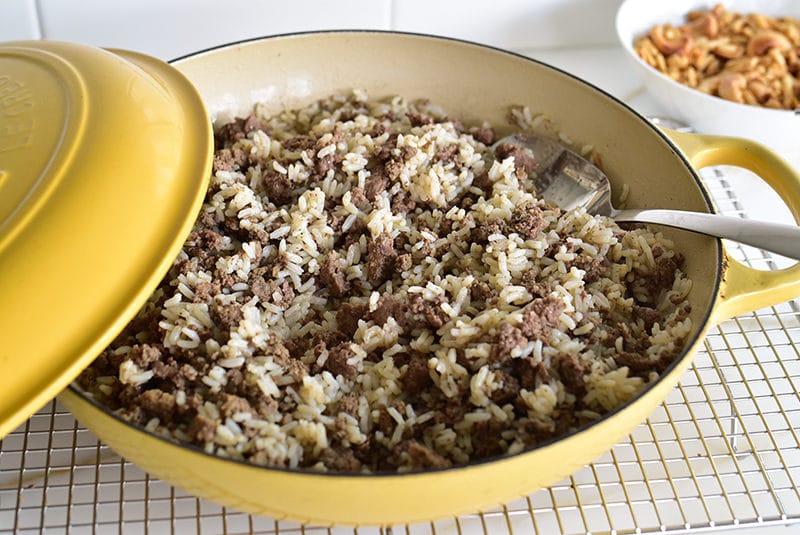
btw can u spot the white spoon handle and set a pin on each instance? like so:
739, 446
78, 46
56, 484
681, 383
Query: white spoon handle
774, 237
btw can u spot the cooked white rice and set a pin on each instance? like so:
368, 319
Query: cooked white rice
475, 336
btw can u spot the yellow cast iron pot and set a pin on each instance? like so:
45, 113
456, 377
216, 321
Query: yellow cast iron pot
473, 83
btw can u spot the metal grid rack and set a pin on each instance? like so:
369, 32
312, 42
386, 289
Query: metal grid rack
722, 451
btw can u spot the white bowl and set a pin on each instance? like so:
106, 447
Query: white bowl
778, 129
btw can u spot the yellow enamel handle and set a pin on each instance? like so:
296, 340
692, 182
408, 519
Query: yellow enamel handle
743, 288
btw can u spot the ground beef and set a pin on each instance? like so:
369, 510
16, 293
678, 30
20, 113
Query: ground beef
447, 154
508, 339
481, 233
227, 316
232, 405
404, 262
482, 291
389, 307
229, 160
331, 275
202, 429
278, 187
508, 391
571, 371
340, 460
144, 355
431, 312
157, 403
424, 457
531, 372
524, 161
337, 361
381, 257
485, 135
417, 377
348, 315
663, 275
527, 221
402, 203
374, 185
541, 317
419, 119
299, 143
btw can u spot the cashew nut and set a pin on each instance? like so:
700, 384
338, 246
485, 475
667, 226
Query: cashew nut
706, 23
731, 86
728, 51
763, 41
670, 40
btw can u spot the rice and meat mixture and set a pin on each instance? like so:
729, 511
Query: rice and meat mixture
368, 289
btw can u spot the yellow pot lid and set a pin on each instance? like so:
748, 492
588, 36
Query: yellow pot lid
104, 164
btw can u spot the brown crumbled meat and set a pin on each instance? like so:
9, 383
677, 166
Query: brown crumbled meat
530, 280
348, 315
170, 375
357, 196
393, 169
202, 429
650, 316
277, 186
205, 291
540, 317
424, 457
296, 369
508, 391
269, 291
417, 378
529, 371
144, 355
208, 239
232, 404
481, 233
508, 339
299, 143
447, 154
349, 404
594, 267
404, 262
337, 361
230, 133
482, 291
381, 257
227, 316
402, 203
636, 362
419, 119
325, 164
253, 123
340, 460
486, 439
389, 307
157, 403
524, 161
374, 185
527, 221
571, 371
331, 276
229, 160
431, 311
485, 135
663, 274
484, 183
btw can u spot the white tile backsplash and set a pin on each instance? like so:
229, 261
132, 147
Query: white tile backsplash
170, 28
514, 24
18, 20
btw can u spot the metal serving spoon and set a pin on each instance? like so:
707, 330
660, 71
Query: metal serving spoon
568, 180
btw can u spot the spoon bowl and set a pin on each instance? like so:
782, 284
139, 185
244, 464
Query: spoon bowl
565, 178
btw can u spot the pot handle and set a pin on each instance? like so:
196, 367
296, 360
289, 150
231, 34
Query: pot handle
744, 289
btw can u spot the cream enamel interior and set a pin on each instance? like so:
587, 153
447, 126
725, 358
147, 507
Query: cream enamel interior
472, 83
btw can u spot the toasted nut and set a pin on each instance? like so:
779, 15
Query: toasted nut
670, 40
731, 86
764, 41
706, 24
728, 51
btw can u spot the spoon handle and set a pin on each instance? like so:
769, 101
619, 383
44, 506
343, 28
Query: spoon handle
774, 237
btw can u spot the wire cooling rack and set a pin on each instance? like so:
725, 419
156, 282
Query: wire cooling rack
722, 451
